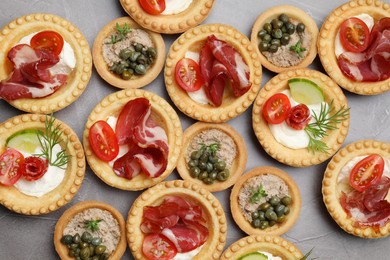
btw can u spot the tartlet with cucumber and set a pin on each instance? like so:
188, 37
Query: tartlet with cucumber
42, 164
301, 117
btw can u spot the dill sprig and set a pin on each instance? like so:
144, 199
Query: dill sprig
305, 257
324, 121
298, 49
258, 194
48, 139
122, 32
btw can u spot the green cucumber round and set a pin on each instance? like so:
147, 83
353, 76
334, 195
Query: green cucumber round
305, 91
25, 140
254, 256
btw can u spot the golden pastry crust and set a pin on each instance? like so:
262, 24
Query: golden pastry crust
292, 12
239, 162
77, 81
136, 81
299, 157
266, 243
196, 13
18, 202
277, 229
193, 40
329, 186
214, 214
63, 221
162, 113
326, 46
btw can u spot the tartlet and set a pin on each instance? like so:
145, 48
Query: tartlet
62, 222
239, 162
299, 157
214, 214
162, 113
136, 81
77, 81
196, 13
275, 245
193, 40
18, 202
326, 44
278, 228
292, 12
330, 192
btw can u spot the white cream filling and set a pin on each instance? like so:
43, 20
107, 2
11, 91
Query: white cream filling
288, 136
188, 255
175, 6
270, 256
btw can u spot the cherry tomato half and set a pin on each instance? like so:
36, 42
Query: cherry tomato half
153, 6
11, 169
158, 247
354, 35
276, 108
48, 40
34, 168
366, 172
298, 117
187, 75
103, 141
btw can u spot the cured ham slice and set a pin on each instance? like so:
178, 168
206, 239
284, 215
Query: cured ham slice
206, 61
219, 78
184, 237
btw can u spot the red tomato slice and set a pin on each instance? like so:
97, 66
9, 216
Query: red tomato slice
298, 117
11, 169
187, 74
158, 247
367, 172
153, 6
354, 35
276, 108
34, 168
48, 40
103, 141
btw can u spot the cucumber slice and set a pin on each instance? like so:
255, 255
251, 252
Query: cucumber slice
25, 140
254, 256
305, 91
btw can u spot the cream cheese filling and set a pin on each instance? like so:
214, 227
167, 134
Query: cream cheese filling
175, 6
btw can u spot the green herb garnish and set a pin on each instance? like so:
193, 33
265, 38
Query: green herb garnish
48, 139
93, 225
324, 121
308, 254
122, 32
298, 49
258, 194
211, 148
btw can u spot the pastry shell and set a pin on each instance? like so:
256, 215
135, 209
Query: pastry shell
213, 213
239, 162
329, 186
292, 12
77, 81
136, 81
277, 229
196, 13
162, 113
275, 245
18, 202
326, 46
63, 221
231, 106
299, 157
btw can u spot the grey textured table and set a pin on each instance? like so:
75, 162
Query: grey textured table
30, 237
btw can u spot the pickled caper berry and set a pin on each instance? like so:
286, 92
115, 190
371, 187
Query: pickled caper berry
208, 181
264, 224
152, 52
209, 167
67, 240
95, 257
286, 200
281, 219
221, 165
267, 38
213, 158
274, 200
71, 253
273, 48
300, 28
284, 29
100, 249
74, 246
263, 46
286, 210
256, 223
134, 56
126, 75
290, 28
202, 165
271, 215
264, 206
140, 69
91, 250
261, 33
277, 33
138, 47
213, 175
142, 59
267, 27
204, 157
271, 223
83, 245
103, 256
203, 175
279, 209
255, 214
96, 241
276, 24
261, 215
285, 39
132, 65
76, 238
193, 163
284, 18
223, 175
276, 42
194, 172
125, 54
85, 253
196, 154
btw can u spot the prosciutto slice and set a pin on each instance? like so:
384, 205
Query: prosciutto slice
219, 78
184, 237
32, 76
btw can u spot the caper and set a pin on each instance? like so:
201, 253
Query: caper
77, 251
209, 167
221, 165
91, 250
71, 253
83, 245
203, 175
290, 28
286, 200
267, 27
202, 165
76, 238
276, 24
279, 209
95, 257
103, 256
74, 246
271, 215
193, 163
277, 33
119, 68
196, 154
273, 48
126, 75
263, 46
125, 54
213, 158
133, 65
85, 253
284, 29
256, 223
208, 181
261, 33
272, 223
142, 59
300, 28
134, 56
261, 215
274, 200
275, 42
223, 175
267, 38
78, 258
140, 69
264, 206
138, 47
152, 52
286, 210
100, 249
255, 214
194, 172
281, 219
284, 18
264, 224
67, 240
213, 175
204, 157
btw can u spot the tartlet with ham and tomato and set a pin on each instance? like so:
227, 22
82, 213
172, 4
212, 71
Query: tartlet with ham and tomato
46, 64
168, 16
301, 117
353, 46
212, 73
132, 139
355, 188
